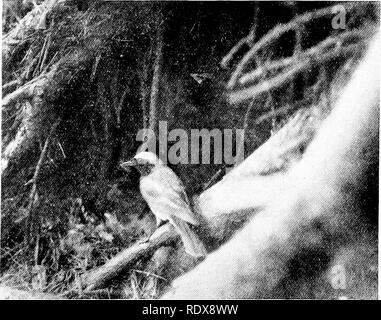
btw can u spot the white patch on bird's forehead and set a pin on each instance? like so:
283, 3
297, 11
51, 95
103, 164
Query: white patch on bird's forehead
148, 157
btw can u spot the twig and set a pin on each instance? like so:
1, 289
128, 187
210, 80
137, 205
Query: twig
95, 68
220, 173
36, 174
119, 106
40, 57
241, 150
51, 62
29, 70
11, 86
46, 51
149, 274
24, 92
233, 51
275, 113
37, 249
248, 40
61, 148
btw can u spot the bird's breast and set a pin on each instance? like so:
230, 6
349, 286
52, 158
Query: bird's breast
149, 188
152, 192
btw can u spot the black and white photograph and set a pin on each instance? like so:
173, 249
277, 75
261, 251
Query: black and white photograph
189, 150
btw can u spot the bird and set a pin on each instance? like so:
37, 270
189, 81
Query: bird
165, 195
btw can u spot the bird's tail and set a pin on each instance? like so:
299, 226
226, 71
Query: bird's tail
192, 243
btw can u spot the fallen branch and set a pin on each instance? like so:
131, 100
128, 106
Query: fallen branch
98, 277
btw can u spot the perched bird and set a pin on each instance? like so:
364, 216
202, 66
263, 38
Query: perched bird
166, 197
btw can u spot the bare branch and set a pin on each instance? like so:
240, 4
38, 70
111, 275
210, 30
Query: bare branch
248, 40
98, 277
313, 53
278, 31
36, 174
281, 79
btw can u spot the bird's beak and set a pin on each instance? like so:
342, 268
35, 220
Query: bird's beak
126, 165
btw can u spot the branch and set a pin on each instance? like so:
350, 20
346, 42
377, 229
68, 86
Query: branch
20, 94
33, 192
313, 53
98, 277
10, 86
248, 40
283, 78
278, 31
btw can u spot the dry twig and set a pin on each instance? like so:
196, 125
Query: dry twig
33, 192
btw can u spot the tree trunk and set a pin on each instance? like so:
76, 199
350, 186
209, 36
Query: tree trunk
144, 90
154, 108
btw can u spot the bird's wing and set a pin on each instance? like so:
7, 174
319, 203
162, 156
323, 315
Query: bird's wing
165, 194
170, 178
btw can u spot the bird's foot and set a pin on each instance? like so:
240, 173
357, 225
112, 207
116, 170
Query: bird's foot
161, 223
148, 239
144, 240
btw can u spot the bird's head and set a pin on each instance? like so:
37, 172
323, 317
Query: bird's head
143, 161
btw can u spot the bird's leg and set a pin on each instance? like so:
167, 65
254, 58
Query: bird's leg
145, 239
159, 223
